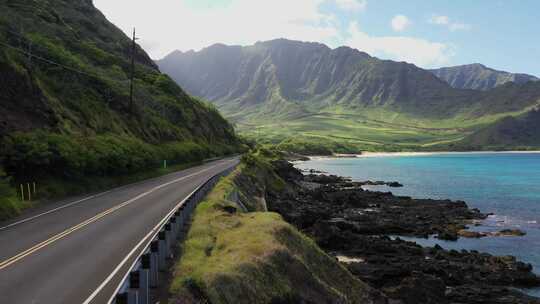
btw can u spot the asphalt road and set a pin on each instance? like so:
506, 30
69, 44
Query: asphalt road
77, 251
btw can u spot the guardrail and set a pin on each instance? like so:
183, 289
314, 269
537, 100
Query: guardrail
145, 271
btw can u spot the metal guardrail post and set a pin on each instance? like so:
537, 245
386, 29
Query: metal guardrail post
168, 238
178, 218
162, 251
121, 298
182, 214
145, 279
138, 282
144, 291
188, 206
183, 218
134, 287
174, 227
127, 297
154, 264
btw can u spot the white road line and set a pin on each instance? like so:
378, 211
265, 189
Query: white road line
20, 256
54, 210
77, 202
150, 235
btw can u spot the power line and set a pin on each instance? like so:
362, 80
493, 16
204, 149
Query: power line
48, 60
52, 62
78, 71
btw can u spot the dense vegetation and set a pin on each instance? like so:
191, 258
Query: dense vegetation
33, 155
65, 109
9, 205
285, 91
233, 256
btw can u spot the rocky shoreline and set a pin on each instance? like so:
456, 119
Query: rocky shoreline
355, 225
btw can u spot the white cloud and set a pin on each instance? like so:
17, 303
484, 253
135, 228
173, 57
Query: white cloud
353, 5
440, 20
448, 23
419, 51
459, 27
400, 23
175, 25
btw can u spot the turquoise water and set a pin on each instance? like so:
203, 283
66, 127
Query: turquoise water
506, 184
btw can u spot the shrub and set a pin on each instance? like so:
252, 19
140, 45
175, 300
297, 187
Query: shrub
38, 154
8, 203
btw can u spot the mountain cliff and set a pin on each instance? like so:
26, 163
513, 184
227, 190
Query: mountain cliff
64, 98
284, 90
280, 75
478, 77
298, 76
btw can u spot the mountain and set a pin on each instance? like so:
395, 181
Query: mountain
307, 94
64, 98
478, 77
521, 131
282, 74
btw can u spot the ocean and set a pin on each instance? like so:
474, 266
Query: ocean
505, 184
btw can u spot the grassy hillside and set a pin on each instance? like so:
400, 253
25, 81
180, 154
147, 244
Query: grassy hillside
231, 256
520, 132
65, 111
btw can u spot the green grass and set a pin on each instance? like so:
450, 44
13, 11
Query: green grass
255, 257
339, 130
10, 205
354, 133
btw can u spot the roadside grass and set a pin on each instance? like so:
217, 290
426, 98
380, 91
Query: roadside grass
9, 205
218, 242
254, 257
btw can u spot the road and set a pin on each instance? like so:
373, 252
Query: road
77, 251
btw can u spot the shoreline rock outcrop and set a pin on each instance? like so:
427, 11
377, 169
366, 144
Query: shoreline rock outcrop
355, 225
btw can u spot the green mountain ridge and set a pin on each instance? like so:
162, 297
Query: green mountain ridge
479, 77
282, 90
64, 99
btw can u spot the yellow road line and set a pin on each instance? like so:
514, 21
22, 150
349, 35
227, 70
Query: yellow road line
59, 236
68, 231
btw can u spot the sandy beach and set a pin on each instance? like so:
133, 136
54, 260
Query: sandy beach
401, 154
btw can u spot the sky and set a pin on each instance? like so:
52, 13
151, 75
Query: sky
501, 34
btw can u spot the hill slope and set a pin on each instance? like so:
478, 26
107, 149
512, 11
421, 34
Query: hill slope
479, 77
285, 90
64, 99
522, 132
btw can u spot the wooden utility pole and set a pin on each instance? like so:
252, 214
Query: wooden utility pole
133, 48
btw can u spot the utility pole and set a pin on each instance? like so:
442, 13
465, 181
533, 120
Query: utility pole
133, 48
